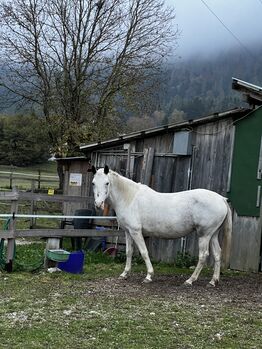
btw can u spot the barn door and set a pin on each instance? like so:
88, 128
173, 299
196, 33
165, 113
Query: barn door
245, 192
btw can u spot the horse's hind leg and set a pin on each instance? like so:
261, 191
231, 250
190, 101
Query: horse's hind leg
129, 254
203, 244
216, 251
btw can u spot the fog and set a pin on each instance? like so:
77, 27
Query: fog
203, 35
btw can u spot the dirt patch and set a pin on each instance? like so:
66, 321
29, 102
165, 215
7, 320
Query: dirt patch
243, 291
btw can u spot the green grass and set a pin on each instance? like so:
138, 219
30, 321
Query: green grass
25, 206
48, 168
96, 310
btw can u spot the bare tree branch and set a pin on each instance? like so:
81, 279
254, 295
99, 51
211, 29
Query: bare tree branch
81, 60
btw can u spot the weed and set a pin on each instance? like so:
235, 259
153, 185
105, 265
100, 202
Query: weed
185, 260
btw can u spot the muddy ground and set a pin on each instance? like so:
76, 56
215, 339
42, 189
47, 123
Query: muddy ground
243, 290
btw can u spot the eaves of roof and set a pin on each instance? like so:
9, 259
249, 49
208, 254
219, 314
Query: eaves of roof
125, 138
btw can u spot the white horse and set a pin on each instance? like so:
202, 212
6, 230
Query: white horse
140, 209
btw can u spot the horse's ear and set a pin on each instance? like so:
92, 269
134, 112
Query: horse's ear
94, 170
106, 169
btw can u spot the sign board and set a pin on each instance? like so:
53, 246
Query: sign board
51, 191
75, 179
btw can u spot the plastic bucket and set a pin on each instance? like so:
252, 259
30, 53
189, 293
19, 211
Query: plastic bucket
58, 255
74, 264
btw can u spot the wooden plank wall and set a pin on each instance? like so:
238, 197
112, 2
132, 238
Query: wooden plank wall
246, 243
83, 190
212, 151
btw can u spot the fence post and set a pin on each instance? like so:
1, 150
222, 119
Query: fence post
11, 241
52, 243
32, 211
11, 180
39, 179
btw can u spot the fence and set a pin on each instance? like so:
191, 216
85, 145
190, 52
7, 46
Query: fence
36, 179
12, 233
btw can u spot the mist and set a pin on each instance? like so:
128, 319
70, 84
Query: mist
203, 35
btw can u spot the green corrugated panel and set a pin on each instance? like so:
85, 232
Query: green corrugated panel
244, 182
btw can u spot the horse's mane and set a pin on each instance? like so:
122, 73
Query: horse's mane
126, 187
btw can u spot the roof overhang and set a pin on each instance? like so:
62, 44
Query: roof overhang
126, 138
73, 158
252, 93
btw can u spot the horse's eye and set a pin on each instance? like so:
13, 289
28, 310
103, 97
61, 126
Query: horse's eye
93, 183
107, 183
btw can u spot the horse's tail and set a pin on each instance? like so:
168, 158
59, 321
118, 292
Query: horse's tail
227, 237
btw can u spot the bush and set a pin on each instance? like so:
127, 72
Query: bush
185, 260
23, 140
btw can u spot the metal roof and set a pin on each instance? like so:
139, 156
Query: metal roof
124, 138
252, 93
237, 82
71, 158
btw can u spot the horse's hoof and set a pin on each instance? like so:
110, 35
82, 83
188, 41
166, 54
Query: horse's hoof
212, 284
187, 283
122, 277
147, 281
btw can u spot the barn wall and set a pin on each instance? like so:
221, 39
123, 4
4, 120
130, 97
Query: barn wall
246, 243
246, 178
212, 156
79, 167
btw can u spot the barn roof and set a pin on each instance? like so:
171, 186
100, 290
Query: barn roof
125, 138
252, 93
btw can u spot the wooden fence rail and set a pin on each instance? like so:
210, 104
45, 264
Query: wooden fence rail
12, 233
39, 178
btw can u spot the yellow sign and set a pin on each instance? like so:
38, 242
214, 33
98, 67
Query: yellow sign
51, 191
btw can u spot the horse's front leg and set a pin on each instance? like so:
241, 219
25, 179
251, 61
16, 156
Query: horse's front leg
140, 242
129, 254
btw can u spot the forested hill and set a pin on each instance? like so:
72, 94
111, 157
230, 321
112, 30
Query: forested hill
202, 86
191, 88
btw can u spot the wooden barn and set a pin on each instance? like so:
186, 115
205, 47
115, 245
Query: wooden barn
220, 152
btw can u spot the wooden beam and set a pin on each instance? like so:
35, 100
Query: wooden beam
64, 233
54, 198
11, 241
6, 234
147, 166
9, 196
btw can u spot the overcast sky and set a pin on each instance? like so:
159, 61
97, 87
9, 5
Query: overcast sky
202, 33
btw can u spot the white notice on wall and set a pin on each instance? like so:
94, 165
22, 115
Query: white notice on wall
75, 179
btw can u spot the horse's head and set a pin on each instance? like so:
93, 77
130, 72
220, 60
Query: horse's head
101, 186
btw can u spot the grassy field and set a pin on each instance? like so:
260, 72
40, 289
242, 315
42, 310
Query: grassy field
46, 169
96, 310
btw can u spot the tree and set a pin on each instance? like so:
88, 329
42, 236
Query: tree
23, 141
83, 61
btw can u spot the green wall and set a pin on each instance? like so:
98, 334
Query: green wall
244, 183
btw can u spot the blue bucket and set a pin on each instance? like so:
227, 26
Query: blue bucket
74, 264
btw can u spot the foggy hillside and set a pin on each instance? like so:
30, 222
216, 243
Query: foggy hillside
201, 86
197, 86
